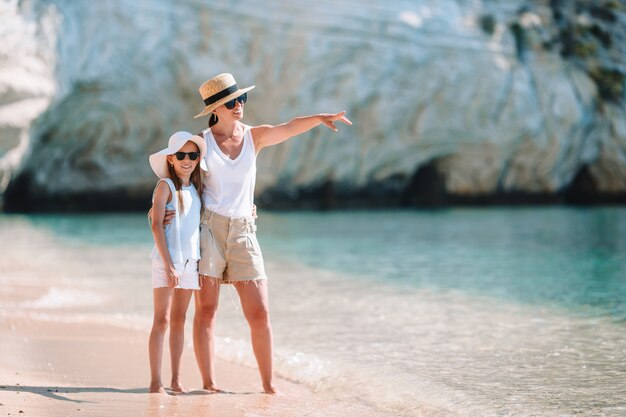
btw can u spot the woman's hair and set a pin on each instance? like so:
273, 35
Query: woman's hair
196, 180
213, 119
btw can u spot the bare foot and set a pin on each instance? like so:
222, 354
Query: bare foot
156, 389
178, 388
271, 389
212, 388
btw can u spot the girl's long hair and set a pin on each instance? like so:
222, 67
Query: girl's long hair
195, 179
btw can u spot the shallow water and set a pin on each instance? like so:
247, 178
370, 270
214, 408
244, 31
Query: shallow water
472, 312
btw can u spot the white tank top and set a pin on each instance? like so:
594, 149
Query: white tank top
183, 233
228, 186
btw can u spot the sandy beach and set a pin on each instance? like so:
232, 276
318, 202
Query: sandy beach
68, 346
50, 368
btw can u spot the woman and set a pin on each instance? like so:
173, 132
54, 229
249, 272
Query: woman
230, 252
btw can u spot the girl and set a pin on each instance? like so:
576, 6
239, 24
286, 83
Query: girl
177, 248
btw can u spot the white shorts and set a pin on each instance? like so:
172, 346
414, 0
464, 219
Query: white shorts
187, 274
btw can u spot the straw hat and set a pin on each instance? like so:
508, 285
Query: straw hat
158, 161
218, 90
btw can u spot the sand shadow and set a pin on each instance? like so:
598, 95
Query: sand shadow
222, 392
53, 392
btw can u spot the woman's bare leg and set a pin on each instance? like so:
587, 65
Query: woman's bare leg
206, 300
255, 305
162, 306
180, 304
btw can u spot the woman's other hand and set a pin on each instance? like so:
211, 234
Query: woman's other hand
169, 217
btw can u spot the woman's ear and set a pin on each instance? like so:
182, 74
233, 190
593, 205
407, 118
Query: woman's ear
169, 160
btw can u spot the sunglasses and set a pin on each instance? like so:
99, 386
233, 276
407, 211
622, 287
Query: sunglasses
241, 99
192, 155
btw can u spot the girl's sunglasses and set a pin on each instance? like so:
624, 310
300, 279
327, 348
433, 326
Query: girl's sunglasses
241, 99
192, 155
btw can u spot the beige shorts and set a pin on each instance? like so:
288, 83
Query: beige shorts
229, 249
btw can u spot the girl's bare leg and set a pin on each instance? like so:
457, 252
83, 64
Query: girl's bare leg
206, 300
255, 305
180, 304
162, 306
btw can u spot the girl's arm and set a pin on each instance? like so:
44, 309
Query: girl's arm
268, 135
162, 195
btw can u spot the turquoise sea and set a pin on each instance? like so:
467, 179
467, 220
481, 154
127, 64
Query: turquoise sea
571, 258
453, 312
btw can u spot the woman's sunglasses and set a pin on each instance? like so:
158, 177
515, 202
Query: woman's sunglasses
241, 99
192, 155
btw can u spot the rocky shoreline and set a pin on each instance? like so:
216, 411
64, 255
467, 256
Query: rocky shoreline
326, 196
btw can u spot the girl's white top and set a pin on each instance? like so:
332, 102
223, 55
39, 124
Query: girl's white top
228, 185
183, 233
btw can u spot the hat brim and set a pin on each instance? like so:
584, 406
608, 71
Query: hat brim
208, 109
158, 160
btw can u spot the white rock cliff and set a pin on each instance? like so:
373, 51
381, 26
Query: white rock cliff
480, 92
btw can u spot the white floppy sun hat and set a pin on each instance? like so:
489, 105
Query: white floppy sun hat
158, 160
218, 90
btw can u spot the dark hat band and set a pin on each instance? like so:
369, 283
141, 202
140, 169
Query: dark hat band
218, 96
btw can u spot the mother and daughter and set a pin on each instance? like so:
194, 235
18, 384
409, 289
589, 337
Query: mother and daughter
205, 233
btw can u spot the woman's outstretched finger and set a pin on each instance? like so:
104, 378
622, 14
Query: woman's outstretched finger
345, 120
341, 116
